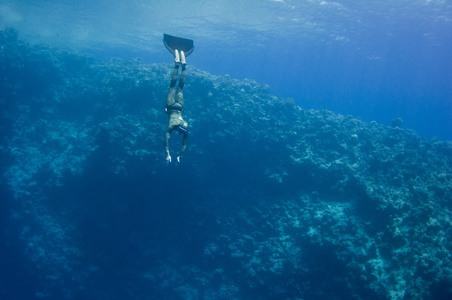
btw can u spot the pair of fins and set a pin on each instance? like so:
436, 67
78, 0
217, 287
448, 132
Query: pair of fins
177, 43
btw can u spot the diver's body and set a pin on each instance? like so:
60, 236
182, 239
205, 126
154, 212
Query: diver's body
175, 106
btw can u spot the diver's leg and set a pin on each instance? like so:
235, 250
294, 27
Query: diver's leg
180, 94
182, 59
171, 99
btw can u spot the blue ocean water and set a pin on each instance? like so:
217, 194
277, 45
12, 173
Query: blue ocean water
377, 60
283, 193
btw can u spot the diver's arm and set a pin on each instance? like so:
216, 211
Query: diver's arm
168, 135
184, 146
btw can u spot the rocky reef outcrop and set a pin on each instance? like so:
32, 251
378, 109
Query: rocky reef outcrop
271, 201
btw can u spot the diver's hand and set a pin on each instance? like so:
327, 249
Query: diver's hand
178, 159
168, 158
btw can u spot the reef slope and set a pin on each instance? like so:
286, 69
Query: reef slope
271, 201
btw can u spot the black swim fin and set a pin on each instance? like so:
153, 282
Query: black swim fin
176, 43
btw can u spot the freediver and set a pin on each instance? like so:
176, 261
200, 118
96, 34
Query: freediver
175, 106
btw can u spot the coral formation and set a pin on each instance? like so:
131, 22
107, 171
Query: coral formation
271, 201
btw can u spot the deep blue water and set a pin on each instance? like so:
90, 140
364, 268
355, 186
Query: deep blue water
377, 60
271, 201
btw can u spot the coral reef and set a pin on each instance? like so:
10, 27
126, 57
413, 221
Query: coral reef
271, 201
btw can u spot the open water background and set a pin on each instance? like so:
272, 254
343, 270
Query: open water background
271, 200
377, 60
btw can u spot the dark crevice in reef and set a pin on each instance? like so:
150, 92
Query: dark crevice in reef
17, 279
441, 290
271, 201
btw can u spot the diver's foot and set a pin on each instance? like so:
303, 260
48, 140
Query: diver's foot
182, 58
176, 56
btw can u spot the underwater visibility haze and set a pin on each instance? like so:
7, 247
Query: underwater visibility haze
377, 60
318, 163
